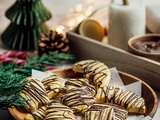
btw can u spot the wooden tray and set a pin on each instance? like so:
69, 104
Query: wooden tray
147, 93
143, 68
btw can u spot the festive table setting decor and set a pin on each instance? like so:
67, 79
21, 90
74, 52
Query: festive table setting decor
73, 90
78, 55
113, 50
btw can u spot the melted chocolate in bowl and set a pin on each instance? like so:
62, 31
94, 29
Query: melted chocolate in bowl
149, 45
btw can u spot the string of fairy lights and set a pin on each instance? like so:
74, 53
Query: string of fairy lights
77, 14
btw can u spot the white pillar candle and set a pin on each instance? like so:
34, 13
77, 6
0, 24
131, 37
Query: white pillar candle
126, 21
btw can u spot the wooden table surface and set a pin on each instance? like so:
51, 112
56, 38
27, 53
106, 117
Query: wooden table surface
58, 8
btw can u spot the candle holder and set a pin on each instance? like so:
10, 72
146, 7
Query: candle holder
125, 21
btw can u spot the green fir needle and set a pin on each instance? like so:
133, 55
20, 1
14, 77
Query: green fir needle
12, 77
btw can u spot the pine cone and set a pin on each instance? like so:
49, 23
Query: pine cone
53, 42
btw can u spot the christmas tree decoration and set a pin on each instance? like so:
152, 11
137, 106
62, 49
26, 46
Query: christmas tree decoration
53, 42
27, 24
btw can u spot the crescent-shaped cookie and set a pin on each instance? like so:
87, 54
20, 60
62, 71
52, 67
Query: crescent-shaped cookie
78, 99
124, 98
58, 111
80, 82
53, 84
40, 114
36, 95
129, 100
95, 71
100, 114
119, 112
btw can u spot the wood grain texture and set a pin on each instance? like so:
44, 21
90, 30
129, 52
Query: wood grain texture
143, 68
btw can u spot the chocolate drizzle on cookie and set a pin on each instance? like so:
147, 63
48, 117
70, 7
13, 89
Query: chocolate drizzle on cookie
124, 98
80, 82
40, 113
120, 113
58, 111
96, 71
129, 100
37, 95
53, 85
78, 99
105, 94
100, 114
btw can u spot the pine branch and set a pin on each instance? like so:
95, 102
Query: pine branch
52, 59
14, 100
12, 77
7, 68
11, 84
10, 87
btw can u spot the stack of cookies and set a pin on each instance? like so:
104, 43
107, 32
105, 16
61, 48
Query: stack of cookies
90, 96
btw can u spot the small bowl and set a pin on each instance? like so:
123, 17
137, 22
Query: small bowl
147, 45
92, 29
